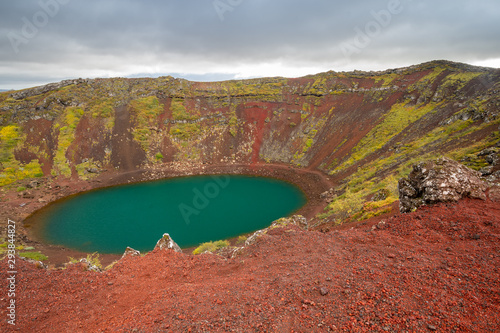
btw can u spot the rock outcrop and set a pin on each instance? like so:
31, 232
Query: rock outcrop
131, 252
443, 180
297, 220
46, 88
90, 265
329, 195
166, 242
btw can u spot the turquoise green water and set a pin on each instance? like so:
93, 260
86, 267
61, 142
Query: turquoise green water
191, 209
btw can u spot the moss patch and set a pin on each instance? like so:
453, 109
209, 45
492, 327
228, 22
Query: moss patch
12, 170
145, 112
66, 126
396, 120
33, 255
211, 246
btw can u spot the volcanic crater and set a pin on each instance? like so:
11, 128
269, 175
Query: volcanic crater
344, 138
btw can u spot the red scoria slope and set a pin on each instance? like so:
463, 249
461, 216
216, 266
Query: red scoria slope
436, 269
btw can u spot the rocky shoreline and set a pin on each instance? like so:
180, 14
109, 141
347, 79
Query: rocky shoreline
40, 192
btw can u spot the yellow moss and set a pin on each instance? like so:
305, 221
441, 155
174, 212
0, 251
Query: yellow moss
211, 246
104, 109
179, 111
81, 169
233, 125
459, 80
268, 89
396, 120
347, 204
9, 133
10, 136
145, 112
12, 170
185, 131
17, 171
67, 125
386, 79
433, 75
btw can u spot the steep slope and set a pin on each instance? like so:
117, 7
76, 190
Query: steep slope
361, 129
432, 270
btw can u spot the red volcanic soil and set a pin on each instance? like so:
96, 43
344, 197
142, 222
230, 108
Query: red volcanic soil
256, 116
436, 269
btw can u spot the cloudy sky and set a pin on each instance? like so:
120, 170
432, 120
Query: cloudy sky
45, 41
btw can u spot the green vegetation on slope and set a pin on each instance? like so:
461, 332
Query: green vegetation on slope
27, 254
185, 127
33, 255
226, 93
92, 259
145, 115
311, 126
66, 125
396, 120
384, 172
104, 109
211, 246
11, 169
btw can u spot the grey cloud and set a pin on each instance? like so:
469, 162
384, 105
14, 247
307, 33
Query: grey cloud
169, 33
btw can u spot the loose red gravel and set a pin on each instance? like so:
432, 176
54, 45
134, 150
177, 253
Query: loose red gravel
433, 270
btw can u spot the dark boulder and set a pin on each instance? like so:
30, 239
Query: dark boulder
443, 180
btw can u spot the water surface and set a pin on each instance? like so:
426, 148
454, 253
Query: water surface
191, 209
